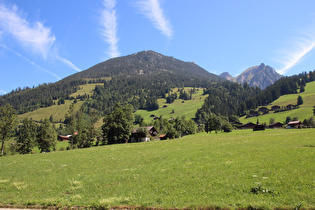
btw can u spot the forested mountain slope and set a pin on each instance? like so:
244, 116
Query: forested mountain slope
139, 78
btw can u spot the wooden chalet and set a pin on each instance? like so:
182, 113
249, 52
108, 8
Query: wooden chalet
236, 124
263, 109
138, 136
291, 106
275, 108
163, 137
64, 138
294, 124
253, 113
249, 125
276, 125
259, 127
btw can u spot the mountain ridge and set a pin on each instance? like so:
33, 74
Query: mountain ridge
144, 62
260, 76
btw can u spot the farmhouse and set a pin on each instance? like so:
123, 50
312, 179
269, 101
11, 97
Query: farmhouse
249, 125
253, 113
236, 124
275, 108
291, 106
64, 138
276, 125
259, 127
143, 134
294, 124
263, 109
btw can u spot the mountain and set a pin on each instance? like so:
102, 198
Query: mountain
138, 79
226, 75
145, 63
260, 76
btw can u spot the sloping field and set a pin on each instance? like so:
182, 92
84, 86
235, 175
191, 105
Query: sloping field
58, 111
242, 169
179, 106
304, 112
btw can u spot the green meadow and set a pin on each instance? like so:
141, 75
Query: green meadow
242, 169
178, 108
305, 111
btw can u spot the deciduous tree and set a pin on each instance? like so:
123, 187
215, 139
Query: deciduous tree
46, 137
118, 124
27, 136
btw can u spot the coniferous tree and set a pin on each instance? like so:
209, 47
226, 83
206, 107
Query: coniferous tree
299, 100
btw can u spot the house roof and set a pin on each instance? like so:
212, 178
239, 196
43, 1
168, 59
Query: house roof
294, 122
148, 128
274, 124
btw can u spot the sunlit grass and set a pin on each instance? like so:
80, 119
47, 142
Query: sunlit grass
179, 106
203, 170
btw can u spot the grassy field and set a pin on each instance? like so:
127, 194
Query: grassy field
187, 108
219, 170
304, 112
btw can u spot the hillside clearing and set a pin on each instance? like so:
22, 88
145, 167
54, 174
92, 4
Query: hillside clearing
218, 170
180, 107
305, 111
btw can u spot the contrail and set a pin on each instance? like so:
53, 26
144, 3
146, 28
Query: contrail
30, 61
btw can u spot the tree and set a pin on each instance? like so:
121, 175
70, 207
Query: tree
234, 118
138, 119
46, 137
118, 124
212, 124
227, 127
271, 120
299, 100
27, 136
70, 122
287, 120
7, 123
302, 89
313, 110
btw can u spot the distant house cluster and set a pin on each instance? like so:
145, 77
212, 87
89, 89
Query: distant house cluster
276, 125
264, 110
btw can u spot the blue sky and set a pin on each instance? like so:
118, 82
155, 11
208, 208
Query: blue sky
45, 41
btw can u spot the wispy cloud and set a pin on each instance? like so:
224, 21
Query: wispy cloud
30, 61
153, 11
34, 37
301, 46
109, 26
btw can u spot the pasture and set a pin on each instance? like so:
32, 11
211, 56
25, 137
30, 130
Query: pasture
243, 169
179, 106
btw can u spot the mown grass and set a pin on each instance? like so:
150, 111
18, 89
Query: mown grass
305, 111
203, 170
180, 107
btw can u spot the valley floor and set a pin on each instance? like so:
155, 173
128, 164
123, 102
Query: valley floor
243, 169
